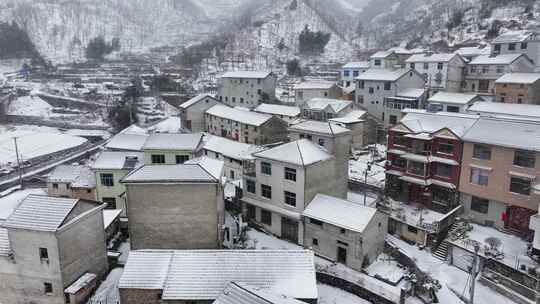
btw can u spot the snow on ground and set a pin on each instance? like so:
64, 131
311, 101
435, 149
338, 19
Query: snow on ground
387, 268
30, 106
124, 250
10, 201
449, 276
34, 141
514, 248
332, 295
108, 289
376, 172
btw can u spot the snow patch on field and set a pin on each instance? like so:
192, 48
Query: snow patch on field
332, 295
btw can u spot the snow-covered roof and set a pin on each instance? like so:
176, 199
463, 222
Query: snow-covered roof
127, 141
301, 152
339, 212
528, 111
382, 54
247, 74
411, 93
109, 215
118, 160
181, 173
211, 165
351, 117
167, 141
238, 293
315, 85
499, 59
204, 274
195, 100
336, 105
515, 36
425, 122
171, 124
472, 51
438, 57
81, 282
356, 65
231, 148
525, 78
383, 74
274, 109
506, 133
41, 213
245, 117
78, 176
134, 129
5, 247
320, 127
454, 98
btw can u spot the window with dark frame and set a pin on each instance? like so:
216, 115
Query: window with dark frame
110, 201
511, 46
446, 148
250, 185
416, 168
47, 288
43, 253
479, 177
520, 185
443, 170
290, 174
266, 217
387, 85
55, 186
266, 191
315, 222
480, 205
266, 168
158, 158
290, 198
524, 158
106, 179
315, 242
180, 159
482, 152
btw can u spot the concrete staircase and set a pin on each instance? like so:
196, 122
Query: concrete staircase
442, 251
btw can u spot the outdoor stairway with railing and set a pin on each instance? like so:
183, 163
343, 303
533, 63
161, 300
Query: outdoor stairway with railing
441, 252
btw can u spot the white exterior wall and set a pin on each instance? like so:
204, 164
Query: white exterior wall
115, 191
232, 91
451, 74
230, 164
303, 95
522, 65
170, 156
315, 138
532, 51
347, 81
374, 103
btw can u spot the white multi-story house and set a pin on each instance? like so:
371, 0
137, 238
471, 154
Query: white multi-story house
170, 149
405, 99
482, 72
351, 70
192, 112
471, 52
442, 72
361, 125
325, 134
519, 42
283, 180
247, 88
307, 90
109, 168
245, 126
52, 250
322, 109
373, 86
383, 60
232, 153
287, 113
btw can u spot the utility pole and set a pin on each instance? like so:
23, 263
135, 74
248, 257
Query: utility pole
474, 272
19, 169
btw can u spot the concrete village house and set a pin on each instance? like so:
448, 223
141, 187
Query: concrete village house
192, 112
52, 250
519, 42
245, 126
442, 71
283, 180
75, 181
322, 109
246, 88
424, 163
307, 90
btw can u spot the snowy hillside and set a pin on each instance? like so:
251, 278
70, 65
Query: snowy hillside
61, 29
450, 22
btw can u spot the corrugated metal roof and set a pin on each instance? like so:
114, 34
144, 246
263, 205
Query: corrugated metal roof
245, 117
383, 74
301, 152
335, 105
169, 173
5, 247
194, 100
247, 74
499, 59
127, 141
438, 57
319, 127
117, 160
526, 78
237, 293
204, 274
41, 213
340, 212
278, 109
